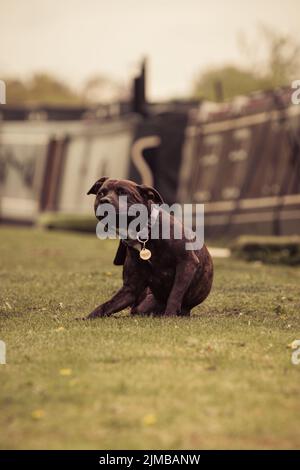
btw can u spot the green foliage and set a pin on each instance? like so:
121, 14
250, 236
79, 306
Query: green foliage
280, 66
17, 92
40, 89
74, 222
234, 80
43, 88
220, 379
283, 58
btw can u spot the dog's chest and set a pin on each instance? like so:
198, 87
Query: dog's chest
160, 270
161, 280
161, 263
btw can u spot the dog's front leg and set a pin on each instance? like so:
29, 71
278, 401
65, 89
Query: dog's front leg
185, 271
122, 299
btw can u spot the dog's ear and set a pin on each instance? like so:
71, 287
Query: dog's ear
121, 254
150, 194
95, 188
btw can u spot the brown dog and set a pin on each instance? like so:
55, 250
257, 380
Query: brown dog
172, 282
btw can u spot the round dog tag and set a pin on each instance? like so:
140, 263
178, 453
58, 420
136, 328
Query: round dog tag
145, 254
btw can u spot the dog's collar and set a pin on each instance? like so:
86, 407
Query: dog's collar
134, 243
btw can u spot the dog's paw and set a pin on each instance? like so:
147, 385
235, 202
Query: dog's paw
172, 310
170, 313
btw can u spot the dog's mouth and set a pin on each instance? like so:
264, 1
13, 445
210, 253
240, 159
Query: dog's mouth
120, 225
117, 219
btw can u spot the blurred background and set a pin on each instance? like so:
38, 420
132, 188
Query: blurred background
192, 97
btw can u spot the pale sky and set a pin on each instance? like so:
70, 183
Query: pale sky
77, 39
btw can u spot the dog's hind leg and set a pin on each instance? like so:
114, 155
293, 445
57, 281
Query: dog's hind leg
149, 305
185, 312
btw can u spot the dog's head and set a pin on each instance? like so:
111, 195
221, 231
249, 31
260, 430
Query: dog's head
109, 191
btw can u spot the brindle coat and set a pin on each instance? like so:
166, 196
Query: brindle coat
172, 282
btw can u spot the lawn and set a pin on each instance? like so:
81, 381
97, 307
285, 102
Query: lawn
220, 379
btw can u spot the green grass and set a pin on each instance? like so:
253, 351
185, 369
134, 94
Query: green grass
220, 379
61, 221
